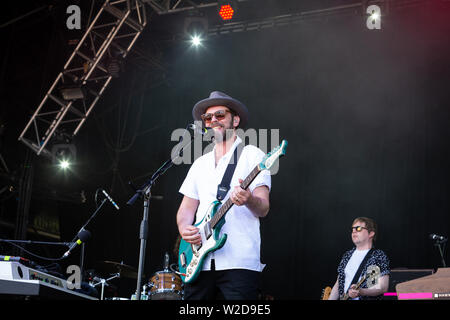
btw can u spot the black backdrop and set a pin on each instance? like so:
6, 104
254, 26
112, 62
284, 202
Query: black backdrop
365, 113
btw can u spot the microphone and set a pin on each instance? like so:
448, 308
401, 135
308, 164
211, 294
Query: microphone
437, 237
110, 199
83, 236
198, 129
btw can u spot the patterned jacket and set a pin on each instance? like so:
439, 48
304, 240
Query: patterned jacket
378, 257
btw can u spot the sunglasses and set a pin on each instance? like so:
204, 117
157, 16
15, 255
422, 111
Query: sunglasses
358, 228
219, 114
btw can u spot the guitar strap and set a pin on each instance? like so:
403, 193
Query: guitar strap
224, 186
361, 266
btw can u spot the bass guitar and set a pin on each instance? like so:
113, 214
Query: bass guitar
372, 275
326, 293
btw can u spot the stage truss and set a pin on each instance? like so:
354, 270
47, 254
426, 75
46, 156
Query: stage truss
86, 74
109, 39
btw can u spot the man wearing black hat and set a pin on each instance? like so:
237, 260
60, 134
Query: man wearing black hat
233, 271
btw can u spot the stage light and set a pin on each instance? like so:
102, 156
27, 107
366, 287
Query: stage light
73, 93
196, 41
196, 29
375, 15
64, 155
64, 164
226, 11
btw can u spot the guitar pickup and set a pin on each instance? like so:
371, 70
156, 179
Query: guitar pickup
195, 248
183, 260
207, 230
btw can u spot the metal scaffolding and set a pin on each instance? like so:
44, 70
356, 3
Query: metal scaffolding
175, 6
86, 74
109, 39
356, 7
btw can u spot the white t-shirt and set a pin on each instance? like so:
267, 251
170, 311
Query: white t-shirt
242, 247
352, 266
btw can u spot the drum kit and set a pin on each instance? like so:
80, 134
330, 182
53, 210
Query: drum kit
163, 285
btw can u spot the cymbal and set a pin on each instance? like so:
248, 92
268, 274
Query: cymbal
116, 267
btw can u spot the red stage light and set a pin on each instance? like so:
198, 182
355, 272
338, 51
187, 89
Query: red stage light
226, 12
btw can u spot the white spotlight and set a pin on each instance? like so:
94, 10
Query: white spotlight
196, 41
64, 164
375, 16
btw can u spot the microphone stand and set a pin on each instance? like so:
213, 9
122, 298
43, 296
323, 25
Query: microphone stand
145, 193
15, 242
67, 244
438, 244
104, 282
83, 228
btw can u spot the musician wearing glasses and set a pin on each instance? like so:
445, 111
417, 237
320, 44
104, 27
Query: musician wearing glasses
356, 263
233, 270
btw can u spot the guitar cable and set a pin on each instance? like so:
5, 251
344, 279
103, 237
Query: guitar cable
173, 268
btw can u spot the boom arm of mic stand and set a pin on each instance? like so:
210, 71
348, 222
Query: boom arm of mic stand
89, 220
149, 183
441, 250
76, 236
145, 191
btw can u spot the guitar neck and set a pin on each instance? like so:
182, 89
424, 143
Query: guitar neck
358, 284
228, 204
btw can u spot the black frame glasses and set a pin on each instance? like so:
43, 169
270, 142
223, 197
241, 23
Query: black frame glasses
359, 228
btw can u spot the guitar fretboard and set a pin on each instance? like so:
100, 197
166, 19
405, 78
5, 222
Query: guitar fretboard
228, 204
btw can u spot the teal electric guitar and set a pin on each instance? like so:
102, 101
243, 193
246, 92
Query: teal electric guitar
191, 256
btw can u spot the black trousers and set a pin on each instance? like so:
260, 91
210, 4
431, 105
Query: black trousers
234, 284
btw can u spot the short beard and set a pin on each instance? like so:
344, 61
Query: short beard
226, 135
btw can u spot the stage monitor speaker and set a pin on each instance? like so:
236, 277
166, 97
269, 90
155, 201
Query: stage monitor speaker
402, 275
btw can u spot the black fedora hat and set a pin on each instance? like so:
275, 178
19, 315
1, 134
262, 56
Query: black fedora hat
217, 98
